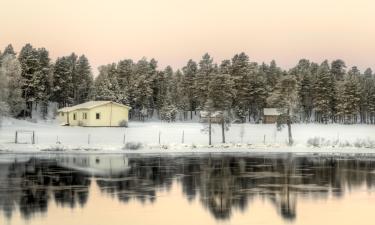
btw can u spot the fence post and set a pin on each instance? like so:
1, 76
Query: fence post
88, 138
33, 138
159, 137
16, 138
123, 141
264, 139
183, 136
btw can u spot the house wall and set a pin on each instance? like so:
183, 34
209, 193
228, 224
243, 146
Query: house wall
62, 117
110, 115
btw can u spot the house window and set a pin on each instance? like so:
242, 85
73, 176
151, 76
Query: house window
98, 116
84, 116
74, 116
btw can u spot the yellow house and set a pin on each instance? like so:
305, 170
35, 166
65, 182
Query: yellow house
95, 114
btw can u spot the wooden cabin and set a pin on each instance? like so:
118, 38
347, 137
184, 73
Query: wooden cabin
95, 114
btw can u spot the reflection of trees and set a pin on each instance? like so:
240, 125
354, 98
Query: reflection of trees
222, 184
30, 185
141, 180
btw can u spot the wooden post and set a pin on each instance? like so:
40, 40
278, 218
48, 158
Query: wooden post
264, 139
33, 138
183, 136
159, 137
123, 141
16, 138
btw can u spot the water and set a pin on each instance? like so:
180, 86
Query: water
194, 189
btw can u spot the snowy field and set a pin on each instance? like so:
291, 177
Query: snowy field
187, 137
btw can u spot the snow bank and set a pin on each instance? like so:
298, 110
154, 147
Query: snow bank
187, 137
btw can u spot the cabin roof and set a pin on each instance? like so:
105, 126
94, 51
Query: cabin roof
90, 105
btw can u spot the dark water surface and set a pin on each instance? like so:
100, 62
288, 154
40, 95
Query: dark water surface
189, 189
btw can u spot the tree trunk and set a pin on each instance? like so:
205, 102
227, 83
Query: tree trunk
209, 130
223, 130
289, 129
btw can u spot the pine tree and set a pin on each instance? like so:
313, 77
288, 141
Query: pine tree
338, 69
62, 87
4, 93
220, 94
324, 91
84, 81
241, 77
258, 91
349, 99
7, 51
106, 85
305, 88
188, 85
29, 59
11, 69
205, 71
42, 81
285, 98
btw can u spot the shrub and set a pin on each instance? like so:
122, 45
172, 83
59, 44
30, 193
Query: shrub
123, 123
133, 145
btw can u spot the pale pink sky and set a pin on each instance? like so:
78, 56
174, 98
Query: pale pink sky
173, 31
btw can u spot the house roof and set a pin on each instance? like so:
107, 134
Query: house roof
90, 105
271, 112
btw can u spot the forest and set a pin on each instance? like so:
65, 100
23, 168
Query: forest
326, 92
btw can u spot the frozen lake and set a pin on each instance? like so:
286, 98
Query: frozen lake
186, 189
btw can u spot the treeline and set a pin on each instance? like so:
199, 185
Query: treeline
324, 93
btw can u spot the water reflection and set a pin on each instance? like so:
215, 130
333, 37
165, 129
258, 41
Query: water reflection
220, 183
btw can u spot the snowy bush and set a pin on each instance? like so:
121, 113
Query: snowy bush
168, 113
318, 142
133, 145
123, 123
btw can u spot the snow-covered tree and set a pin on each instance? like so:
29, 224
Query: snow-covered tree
62, 86
29, 59
188, 85
83, 80
241, 77
107, 86
205, 71
285, 98
4, 107
11, 70
324, 93
220, 94
349, 99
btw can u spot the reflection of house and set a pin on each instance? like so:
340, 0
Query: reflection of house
95, 113
270, 115
96, 165
216, 117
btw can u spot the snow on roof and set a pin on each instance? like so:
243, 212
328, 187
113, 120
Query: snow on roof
271, 112
89, 105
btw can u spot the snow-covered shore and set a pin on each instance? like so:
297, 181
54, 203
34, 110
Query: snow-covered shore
187, 137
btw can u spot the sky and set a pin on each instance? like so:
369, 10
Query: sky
174, 31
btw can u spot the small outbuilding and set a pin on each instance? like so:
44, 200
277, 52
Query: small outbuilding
95, 114
270, 115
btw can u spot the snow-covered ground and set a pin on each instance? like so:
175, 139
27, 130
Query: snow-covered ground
239, 138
